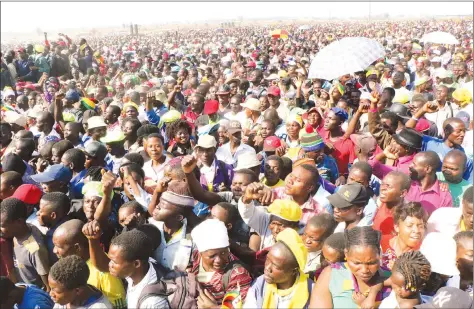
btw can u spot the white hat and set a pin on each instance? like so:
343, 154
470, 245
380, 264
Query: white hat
436, 59
272, 77
440, 250
252, 104
14, 117
206, 141
247, 160
95, 122
210, 234
301, 71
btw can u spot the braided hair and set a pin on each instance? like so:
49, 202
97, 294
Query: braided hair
95, 173
415, 268
362, 236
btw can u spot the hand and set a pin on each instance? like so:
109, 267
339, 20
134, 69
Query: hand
223, 187
41, 165
340, 181
363, 108
180, 81
150, 97
281, 151
132, 220
108, 182
376, 95
358, 298
59, 95
188, 164
430, 107
258, 141
162, 185
391, 152
443, 186
177, 88
206, 300
92, 230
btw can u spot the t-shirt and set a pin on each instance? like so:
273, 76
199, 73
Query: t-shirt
110, 286
31, 257
95, 303
456, 189
383, 220
36, 298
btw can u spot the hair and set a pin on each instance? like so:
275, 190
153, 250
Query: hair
71, 271
362, 236
463, 235
146, 130
115, 110
314, 175
6, 126
249, 173
135, 206
46, 149
431, 158
48, 116
414, 267
12, 178
76, 125
13, 209
135, 157
75, 156
25, 134
419, 98
13, 162
135, 245
152, 232
468, 195
63, 146
287, 167
410, 209
390, 116
29, 144
135, 122
95, 173
174, 127
232, 212
276, 158
134, 168
59, 202
337, 242
155, 135
6, 287
73, 229
405, 181
391, 91
456, 153
324, 221
363, 167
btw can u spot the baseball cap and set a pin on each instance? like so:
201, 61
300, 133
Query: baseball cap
234, 126
449, 297
95, 122
211, 107
223, 89
364, 141
247, 160
274, 91
252, 104
29, 194
206, 141
286, 209
113, 137
251, 64
349, 195
95, 149
54, 172
271, 143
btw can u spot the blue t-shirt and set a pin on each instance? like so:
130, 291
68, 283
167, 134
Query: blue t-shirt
35, 298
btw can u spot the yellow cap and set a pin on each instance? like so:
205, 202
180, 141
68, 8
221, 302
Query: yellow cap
462, 95
286, 209
282, 74
372, 72
401, 98
294, 242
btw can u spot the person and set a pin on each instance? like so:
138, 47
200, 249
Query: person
96, 129
75, 159
336, 284
59, 149
9, 183
452, 170
348, 205
23, 296
464, 249
315, 233
213, 262
249, 161
72, 132
114, 141
410, 221
272, 172
448, 297
410, 273
29, 244
55, 178
425, 186
332, 252
68, 280
130, 128
31, 196
450, 220
95, 152
274, 95
128, 258
228, 153
111, 118
154, 148
69, 240
393, 190
45, 124
284, 283
179, 137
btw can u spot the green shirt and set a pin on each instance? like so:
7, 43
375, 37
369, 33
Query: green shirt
456, 189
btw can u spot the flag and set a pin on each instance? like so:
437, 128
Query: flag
232, 299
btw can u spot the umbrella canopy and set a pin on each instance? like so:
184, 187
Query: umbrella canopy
345, 56
304, 27
439, 37
279, 34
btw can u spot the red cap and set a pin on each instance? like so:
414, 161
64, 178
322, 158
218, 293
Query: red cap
29, 194
211, 107
251, 64
422, 125
30, 86
271, 143
274, 91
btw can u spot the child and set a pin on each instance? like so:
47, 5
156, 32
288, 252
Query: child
464, 259
332, 252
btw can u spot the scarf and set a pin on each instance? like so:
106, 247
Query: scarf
299, 298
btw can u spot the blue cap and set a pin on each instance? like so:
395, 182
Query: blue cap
175, 69
57, 172
341, 113
73, 96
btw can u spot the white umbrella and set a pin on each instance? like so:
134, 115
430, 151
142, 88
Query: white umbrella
345, 56
439, 37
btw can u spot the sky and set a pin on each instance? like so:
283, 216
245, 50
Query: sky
143, 13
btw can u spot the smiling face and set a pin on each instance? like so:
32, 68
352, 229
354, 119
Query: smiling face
411, 231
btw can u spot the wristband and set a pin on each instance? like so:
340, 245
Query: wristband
373, 110
414, 118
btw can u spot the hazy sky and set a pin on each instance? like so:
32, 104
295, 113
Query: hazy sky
99, 14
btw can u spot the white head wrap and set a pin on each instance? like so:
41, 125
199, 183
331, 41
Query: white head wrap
210, 234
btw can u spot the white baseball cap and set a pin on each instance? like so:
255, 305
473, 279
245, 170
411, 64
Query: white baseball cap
252, 104
206, 141
95, 122
247, 160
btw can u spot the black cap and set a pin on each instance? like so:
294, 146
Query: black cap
349, 195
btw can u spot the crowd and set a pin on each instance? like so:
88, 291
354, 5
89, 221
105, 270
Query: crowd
205, 169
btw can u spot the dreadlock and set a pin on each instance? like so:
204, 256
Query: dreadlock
415, 268
95, 173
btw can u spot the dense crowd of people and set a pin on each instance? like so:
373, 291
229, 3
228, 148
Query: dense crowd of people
206, 169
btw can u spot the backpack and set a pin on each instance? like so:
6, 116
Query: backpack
180, 288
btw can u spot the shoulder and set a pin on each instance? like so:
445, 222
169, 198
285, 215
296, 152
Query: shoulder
155, 302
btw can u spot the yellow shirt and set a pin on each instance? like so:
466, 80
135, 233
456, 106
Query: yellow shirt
280, 183
110, 286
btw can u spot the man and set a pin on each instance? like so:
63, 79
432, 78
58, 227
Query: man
444, 108
29, 245
256, 90
44, 124
274, 95
235, 112
114, 141
68, 240
416, 104
96, 153
23, 296
75, 160
9, 182
72, 131
252, 118
111, 116
195, 109
128, 259
31, 196
229, 152
55, 178
348, 205
393, 190
284, 270
452, 170
400, 90
5, 139
425, 186
223, 95
450, 220
215, 174
272, 171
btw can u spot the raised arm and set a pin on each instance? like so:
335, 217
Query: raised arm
429, 107
98, 257
351, 128
58, 109
105, 206
382, 137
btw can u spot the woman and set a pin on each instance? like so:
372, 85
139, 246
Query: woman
130, 128
336, 284
217, 270
222, 135
130, 110
409, 224
314, 119
179, 136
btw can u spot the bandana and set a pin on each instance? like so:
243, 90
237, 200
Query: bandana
177, 199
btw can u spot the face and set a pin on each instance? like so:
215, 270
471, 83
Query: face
6, 136
154, 148
458, 132
347, 214
99, 132
464, 256
277, 269
441, 93
165, 211
272, 170
273, 100
235, 106
391, 190
182, 136
317, 156
62, 247
215, 259
206, 155
235, 137
5, 190
45, 215
332, 121
59, 294
399, 285
411, 231
239, 185
219, 213
118, 266
42, 123
314, 119
357, 176
222, 135
264, 104
131, 112
299, 182
128, 129
313, 238
293, 128
90, 205
467, 214
110, 117
52, 186
418, 168
71, 131
56, 156
363, 262
196, 104
331, 255
452, 169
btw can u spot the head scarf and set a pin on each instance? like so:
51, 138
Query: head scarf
94, 188
463, 96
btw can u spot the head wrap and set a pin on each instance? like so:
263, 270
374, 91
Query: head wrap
94, 188
210, 234
88, 103
311, 142
126, 105
340, 88
463, 96
177, 199
296, 118
341, 113
372, 72
168, 117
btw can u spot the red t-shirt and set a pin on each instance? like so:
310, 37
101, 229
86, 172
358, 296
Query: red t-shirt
383, 220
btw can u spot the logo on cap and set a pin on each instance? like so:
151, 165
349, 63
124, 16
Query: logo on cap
347, 194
